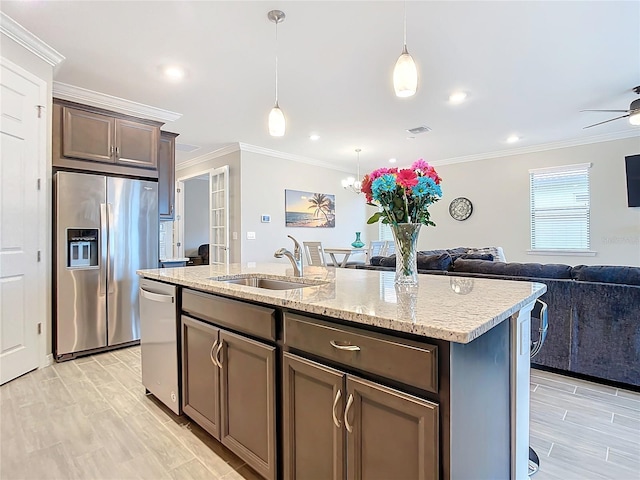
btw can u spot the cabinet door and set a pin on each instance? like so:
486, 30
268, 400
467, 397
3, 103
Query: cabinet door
248, 410
200, 374
86, 135
390, 434
166, 175
313, 402
137, 144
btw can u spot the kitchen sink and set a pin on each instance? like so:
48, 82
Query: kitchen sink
268, 283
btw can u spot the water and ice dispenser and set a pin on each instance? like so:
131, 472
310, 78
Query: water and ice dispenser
82, 247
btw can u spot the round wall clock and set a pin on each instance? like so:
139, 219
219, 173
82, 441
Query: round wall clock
460, 208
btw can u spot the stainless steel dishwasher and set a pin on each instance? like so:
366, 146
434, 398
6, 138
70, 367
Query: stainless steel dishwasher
159, 342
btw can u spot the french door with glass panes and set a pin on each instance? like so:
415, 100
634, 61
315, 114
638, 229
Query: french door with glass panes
219, 219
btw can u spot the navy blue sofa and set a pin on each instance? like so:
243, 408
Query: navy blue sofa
594, 311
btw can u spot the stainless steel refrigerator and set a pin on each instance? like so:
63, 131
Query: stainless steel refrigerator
105, 228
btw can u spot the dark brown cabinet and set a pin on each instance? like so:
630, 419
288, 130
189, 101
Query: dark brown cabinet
167, 175
389, 434
89, 138
248, 401
229, 379
201, 374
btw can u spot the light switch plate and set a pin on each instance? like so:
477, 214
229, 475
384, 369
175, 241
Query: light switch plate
251, 235
234, 235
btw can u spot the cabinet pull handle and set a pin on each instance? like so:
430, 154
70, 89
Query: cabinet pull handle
171, 210
118, 152
112, 150
346, 412
213, 347
350, 348
333, 411
218, 361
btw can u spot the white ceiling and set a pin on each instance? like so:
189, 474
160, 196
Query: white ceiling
529, 67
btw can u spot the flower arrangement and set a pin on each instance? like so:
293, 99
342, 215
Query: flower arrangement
403, 194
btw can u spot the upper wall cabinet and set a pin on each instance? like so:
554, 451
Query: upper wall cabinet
89, 138
167, 175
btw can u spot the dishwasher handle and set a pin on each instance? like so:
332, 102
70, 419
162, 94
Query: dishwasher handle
156, 297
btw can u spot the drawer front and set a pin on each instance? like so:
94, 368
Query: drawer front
240, 316
408, 362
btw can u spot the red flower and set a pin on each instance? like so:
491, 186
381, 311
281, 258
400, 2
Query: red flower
366, 188
407, 178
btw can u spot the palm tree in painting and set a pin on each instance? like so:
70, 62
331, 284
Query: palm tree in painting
322, 204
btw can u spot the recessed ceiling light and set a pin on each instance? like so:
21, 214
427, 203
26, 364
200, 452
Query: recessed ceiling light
513, 139
392, 160
174, 72
411, 138
314, 137
457, 97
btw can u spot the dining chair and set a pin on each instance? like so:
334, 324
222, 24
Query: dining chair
390, 248
376, 249
315, 254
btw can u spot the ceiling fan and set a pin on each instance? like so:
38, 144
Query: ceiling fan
633, 112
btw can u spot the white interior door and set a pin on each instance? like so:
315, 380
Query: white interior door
22, 129
219, 223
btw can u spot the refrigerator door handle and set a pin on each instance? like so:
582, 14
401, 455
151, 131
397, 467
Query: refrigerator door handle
111, 251
104, 241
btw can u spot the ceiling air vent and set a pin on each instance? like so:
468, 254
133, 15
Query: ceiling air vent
185, 147
418, 130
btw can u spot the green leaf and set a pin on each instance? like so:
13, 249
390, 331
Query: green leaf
374, 218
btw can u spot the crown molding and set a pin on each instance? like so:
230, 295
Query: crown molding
109, 102
246, 147
220, 152
542, 147
22, 36
294, 158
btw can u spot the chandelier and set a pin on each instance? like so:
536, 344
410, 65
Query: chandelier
354, 184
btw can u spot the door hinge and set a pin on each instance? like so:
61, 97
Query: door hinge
178, 244
39, 328
39, 184
178, 190
40, 108
39, 255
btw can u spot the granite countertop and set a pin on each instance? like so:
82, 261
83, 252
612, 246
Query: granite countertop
455, 309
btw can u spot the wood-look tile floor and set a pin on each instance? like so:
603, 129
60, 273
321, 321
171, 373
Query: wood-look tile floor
90, 419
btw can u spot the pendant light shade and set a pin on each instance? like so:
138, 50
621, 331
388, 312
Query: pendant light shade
277, 123
405, 73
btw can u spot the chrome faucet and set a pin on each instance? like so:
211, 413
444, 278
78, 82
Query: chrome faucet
295, 257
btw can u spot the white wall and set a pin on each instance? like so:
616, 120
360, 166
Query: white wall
196, 215
499, 190
264, 180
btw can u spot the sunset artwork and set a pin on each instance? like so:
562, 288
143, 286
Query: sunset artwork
307, 209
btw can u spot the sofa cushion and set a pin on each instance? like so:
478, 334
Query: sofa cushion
474, 256
607, 274
375, 261
497, 252
424, 262
513, 269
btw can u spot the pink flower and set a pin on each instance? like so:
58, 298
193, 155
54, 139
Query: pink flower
381, 171
420, 164
407, 178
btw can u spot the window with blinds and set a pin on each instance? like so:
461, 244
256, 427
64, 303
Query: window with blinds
560, 208
384, 232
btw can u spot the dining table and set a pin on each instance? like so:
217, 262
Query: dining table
346, 251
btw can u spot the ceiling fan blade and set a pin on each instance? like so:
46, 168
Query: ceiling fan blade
606, 121
618, 111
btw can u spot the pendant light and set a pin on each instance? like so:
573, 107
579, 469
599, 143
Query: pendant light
354, 184
277, 123
405, 73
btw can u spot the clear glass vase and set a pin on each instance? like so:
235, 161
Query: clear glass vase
406, 239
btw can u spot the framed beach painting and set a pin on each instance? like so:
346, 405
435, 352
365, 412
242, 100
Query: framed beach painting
308, 209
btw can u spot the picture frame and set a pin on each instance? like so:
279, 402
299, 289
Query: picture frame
309, 209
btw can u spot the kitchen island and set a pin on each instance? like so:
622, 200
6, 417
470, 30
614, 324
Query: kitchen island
354, 377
